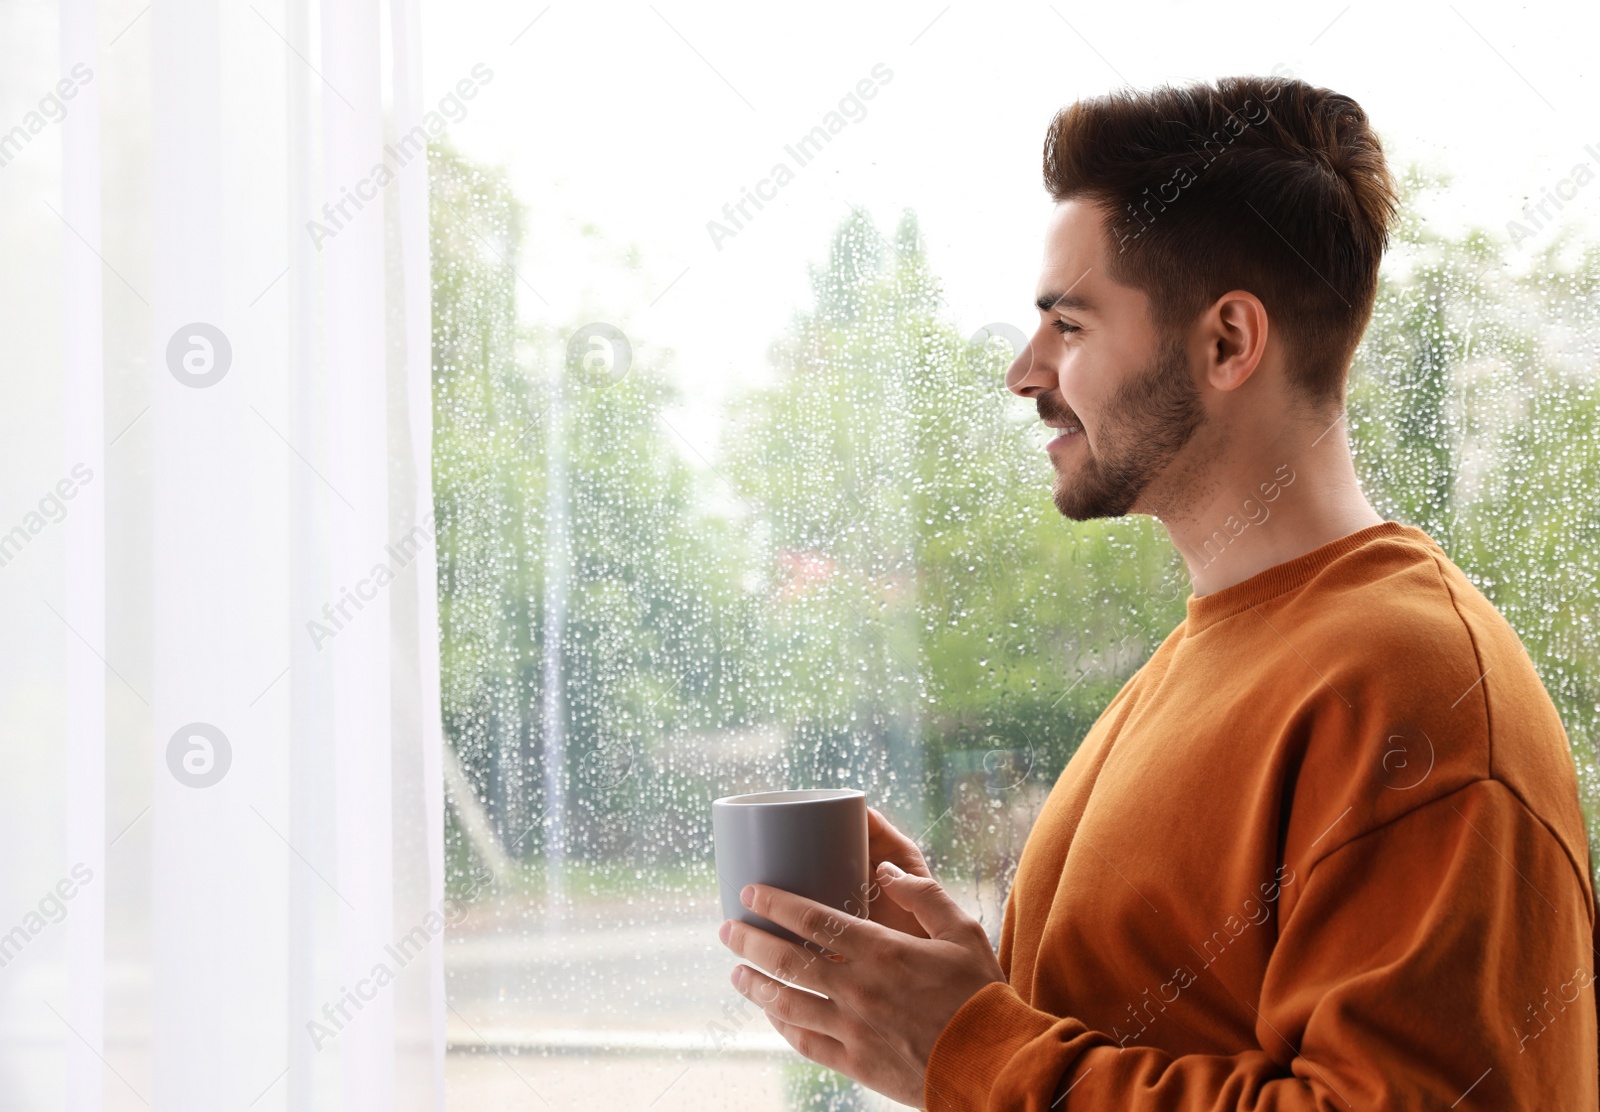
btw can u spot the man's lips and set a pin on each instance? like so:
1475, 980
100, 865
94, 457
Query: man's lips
1066, 433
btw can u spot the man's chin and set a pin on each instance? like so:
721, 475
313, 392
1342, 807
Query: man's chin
1081, 513
1076, 503
1071, 504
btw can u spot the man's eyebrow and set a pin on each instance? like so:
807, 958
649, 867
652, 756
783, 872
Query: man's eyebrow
1067, 300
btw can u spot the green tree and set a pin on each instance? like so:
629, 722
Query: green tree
482, 411
571, 544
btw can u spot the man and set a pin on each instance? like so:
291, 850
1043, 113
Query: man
1324, 849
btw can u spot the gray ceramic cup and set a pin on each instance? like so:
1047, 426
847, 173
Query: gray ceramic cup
811, 842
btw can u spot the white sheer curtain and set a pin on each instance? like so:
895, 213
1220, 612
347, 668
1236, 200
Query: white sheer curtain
221, 810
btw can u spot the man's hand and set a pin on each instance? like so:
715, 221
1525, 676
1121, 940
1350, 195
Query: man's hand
885, 843
886, 994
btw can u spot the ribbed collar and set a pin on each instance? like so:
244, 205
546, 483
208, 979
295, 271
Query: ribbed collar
1207, 610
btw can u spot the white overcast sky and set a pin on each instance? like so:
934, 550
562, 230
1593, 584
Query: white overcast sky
626, 128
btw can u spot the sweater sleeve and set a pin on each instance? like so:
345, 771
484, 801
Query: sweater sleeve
1442, 960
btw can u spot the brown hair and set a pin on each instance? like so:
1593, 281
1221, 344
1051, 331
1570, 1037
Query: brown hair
1259, 183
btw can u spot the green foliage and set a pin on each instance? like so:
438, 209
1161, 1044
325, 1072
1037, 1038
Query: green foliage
597, 543
808, 1087
481, 405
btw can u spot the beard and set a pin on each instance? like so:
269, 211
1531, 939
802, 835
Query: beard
1147, 422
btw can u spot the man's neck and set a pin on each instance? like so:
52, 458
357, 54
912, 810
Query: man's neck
1253, 510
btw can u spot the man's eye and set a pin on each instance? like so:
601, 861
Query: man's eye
1064, 328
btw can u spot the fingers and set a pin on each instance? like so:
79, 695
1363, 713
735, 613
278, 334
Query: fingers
778, 956
885, 843
783, 1003
820, 1048
934, 907
820, 925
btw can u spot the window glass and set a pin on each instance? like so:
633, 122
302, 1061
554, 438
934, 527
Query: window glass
730, 495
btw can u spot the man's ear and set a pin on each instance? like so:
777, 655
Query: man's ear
1235, 335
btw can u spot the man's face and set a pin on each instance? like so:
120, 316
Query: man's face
1121, 394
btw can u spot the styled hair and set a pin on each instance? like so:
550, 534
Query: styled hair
1264, 184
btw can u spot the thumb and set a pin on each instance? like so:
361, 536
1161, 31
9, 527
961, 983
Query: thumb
925, 898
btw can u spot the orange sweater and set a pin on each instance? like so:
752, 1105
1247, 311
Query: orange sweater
1322, 851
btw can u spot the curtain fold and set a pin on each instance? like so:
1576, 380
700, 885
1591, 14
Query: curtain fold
222, 673
84, 605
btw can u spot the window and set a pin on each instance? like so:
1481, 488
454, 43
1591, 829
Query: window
828, 556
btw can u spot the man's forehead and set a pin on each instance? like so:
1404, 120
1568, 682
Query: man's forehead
1075, 226
1074, 245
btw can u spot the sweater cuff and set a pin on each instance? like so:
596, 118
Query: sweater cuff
978, 1043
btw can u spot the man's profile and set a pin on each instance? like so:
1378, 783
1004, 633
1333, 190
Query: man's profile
1324, 849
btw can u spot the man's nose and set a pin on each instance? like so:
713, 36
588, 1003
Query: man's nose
1030, 372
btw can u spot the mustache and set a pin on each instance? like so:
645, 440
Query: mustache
1053, 409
